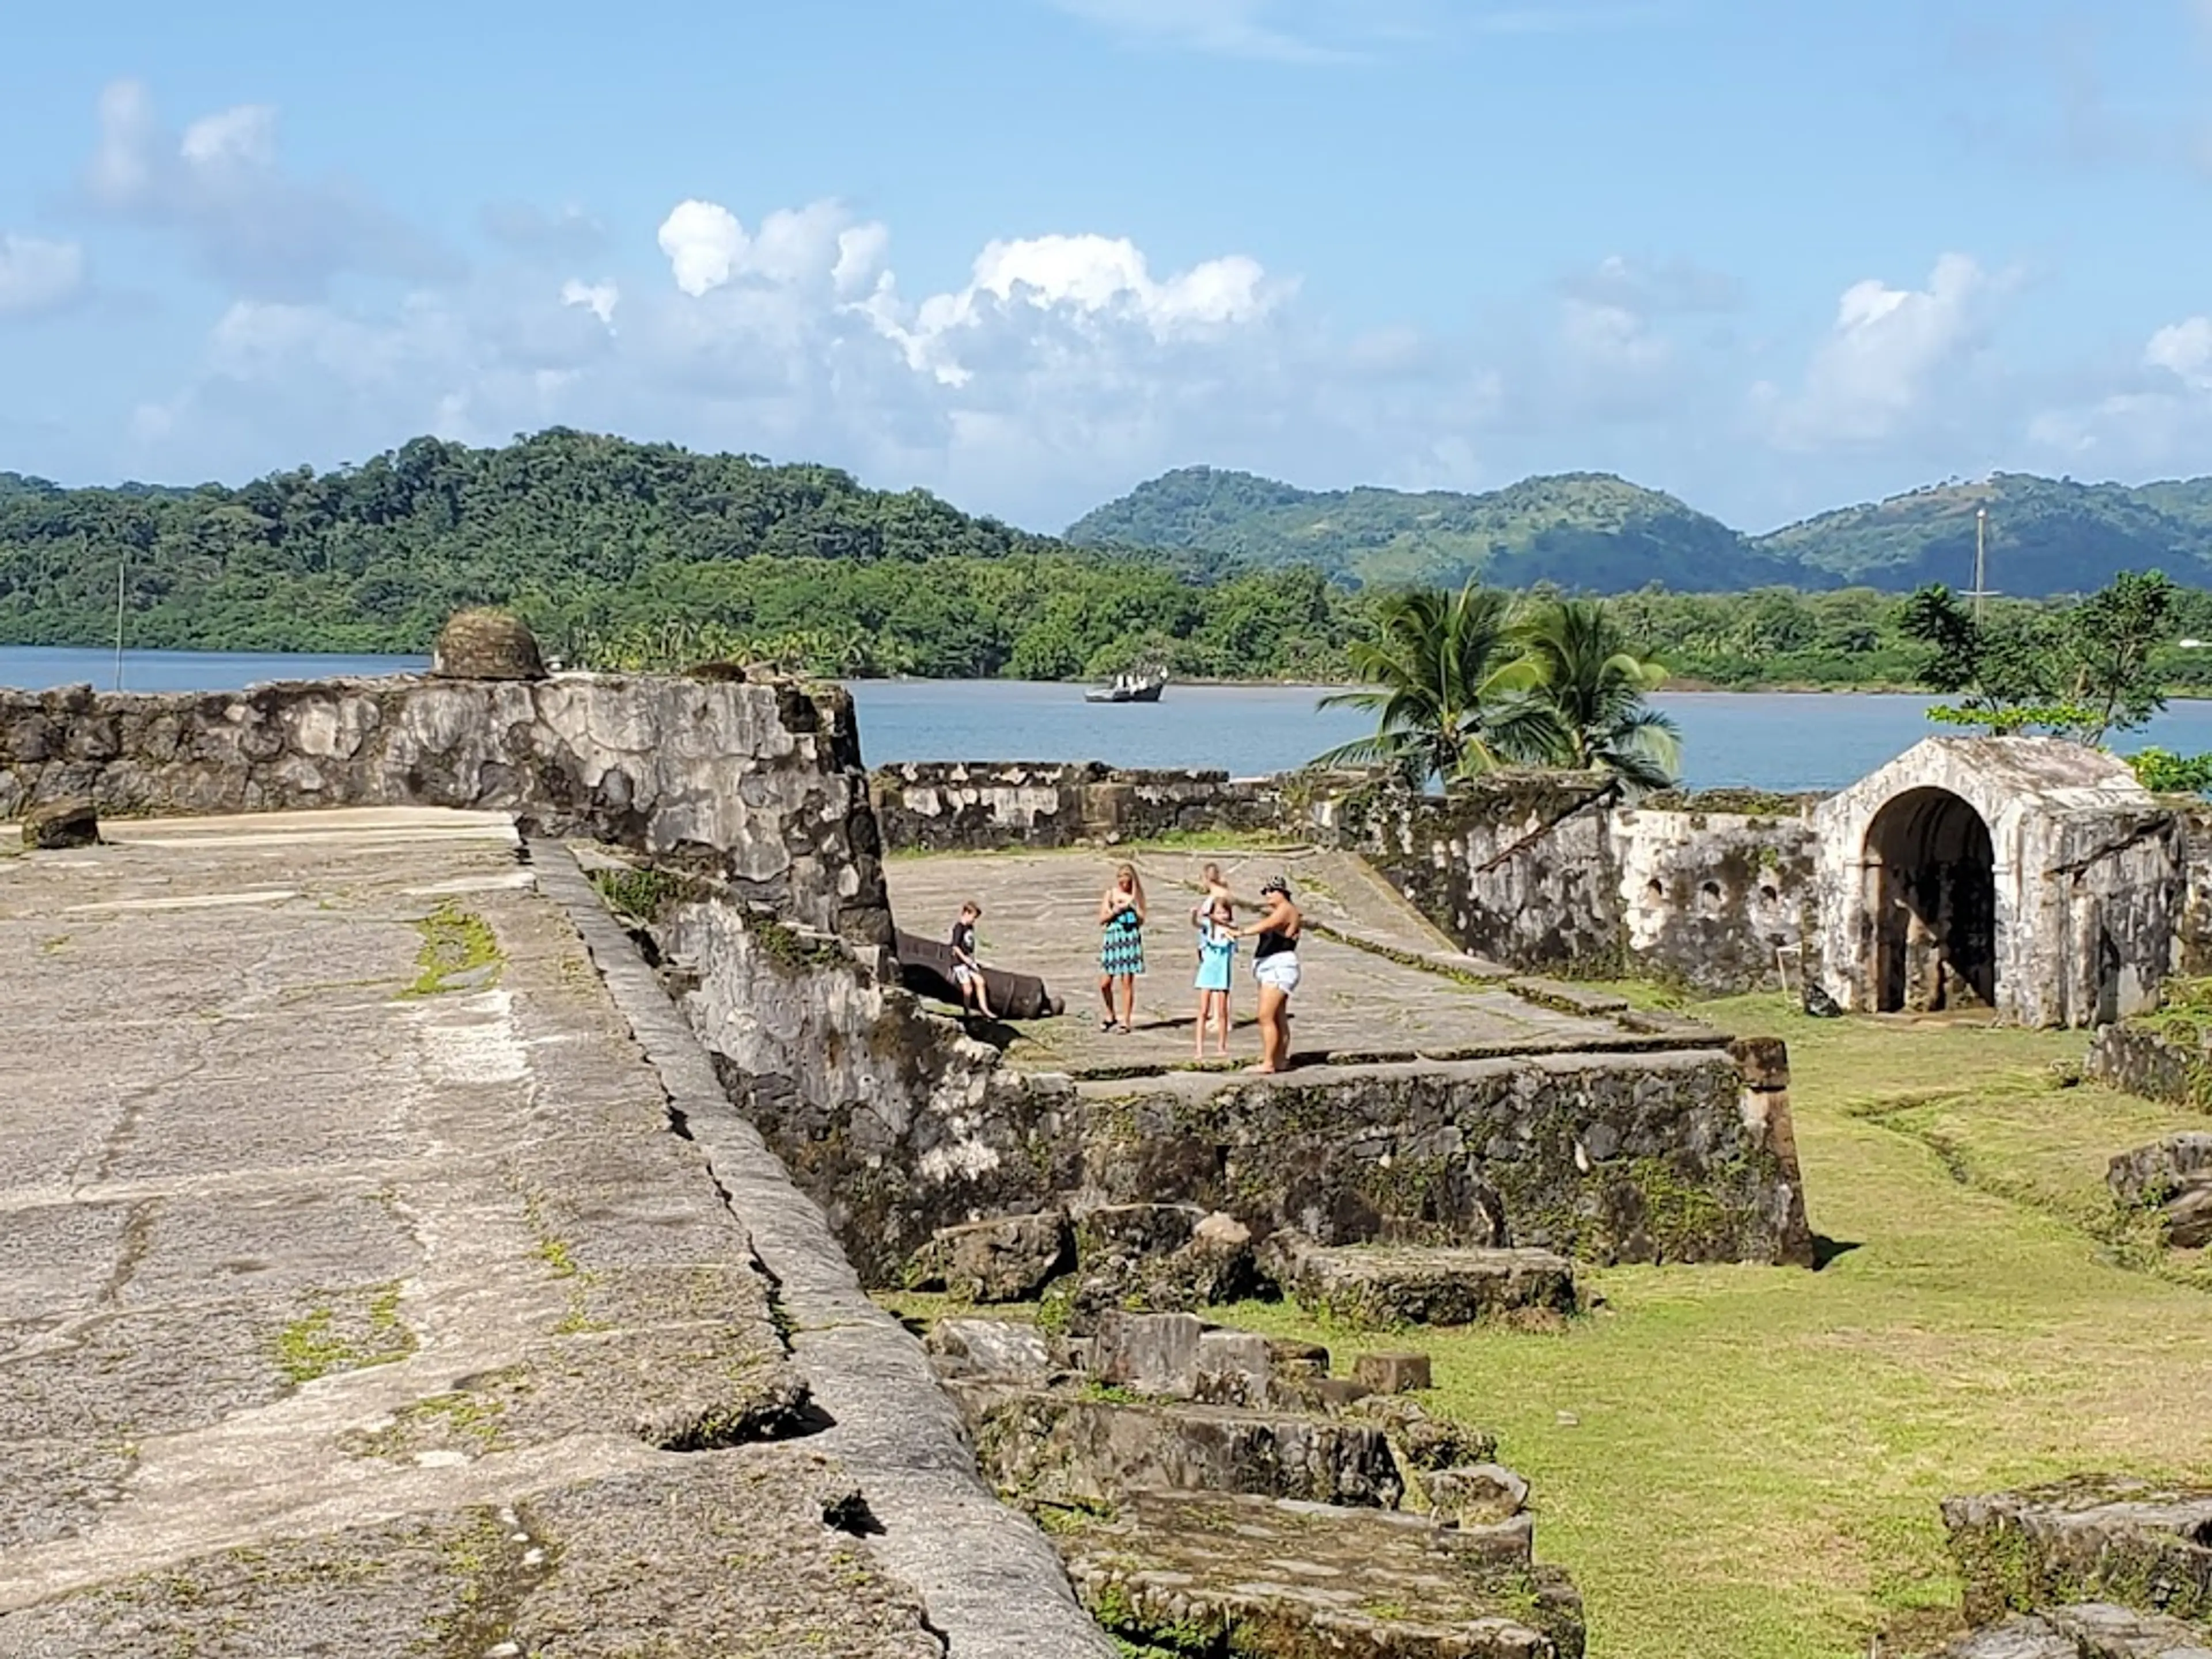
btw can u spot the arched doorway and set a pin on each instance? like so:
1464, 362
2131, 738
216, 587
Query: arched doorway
1931, 875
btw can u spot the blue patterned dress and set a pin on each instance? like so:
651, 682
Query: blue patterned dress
1121, 952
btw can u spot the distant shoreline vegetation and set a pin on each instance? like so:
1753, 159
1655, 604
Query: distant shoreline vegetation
622, 553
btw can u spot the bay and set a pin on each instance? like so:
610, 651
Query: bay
1757, 739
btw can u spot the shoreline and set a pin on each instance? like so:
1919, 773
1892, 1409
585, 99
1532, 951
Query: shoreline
1686, 685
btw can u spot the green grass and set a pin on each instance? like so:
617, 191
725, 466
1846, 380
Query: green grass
1747, 1460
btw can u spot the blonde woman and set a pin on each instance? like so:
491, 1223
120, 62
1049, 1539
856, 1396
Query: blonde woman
1121, 947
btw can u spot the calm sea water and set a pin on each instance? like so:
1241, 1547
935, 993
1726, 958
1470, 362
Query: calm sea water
1766, 740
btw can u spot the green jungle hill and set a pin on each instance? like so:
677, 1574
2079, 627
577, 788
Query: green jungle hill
1595, 532
625, 554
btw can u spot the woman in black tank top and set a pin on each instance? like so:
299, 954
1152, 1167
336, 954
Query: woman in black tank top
1275, 966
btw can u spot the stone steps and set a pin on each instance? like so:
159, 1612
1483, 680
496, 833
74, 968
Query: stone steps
2095, 1537
1382, 1286
1269, 1577
1217, 1491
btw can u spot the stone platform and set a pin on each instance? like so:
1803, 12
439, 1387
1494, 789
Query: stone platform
387, 1275
1379, 983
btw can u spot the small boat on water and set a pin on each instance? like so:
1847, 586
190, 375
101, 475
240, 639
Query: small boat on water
1143, 686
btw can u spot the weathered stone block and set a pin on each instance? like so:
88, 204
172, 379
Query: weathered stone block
1153, 1354
61, 823
1069, 1449
1393, 1373
992, 1350
2091, 1629
1234, 1369
2100, 1630
1474, 1494
1281, 1580
1006, 1259
1167, 1258
1379, 1287
2016, 1637
2151, 1175
2095, 1538
1764, 1062
1426, 1442
2188, 1216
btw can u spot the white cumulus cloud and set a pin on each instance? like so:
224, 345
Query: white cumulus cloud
600, 299
2184, 349
2157, 419
705, 245
1871, 373
37, 275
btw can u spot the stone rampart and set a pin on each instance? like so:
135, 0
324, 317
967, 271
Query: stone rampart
760, 783
899, 1126
938, 806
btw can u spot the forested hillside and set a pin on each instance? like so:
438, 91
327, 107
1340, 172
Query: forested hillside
1594, 532
626, 552
1583, 531
2045, 535
597, 539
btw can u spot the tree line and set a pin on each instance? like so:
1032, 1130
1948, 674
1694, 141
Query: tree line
626, 554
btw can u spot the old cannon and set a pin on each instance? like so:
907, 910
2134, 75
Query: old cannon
925, 970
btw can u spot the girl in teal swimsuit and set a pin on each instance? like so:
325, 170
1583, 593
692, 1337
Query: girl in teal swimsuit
1217, 954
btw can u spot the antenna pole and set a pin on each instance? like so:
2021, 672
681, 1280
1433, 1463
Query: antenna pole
1981, 544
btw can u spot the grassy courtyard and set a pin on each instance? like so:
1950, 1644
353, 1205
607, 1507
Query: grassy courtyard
1747, 1461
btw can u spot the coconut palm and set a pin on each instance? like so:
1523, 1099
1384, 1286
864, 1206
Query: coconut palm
1585, 673
1448, 682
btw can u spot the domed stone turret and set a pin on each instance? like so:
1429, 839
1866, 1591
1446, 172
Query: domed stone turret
486, 645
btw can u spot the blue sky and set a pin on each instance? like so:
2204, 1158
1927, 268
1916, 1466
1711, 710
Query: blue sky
1027, 253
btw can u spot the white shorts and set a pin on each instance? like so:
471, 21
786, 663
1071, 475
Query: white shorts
1280, 970
963, 974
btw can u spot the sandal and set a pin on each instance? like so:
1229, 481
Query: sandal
1120, 1030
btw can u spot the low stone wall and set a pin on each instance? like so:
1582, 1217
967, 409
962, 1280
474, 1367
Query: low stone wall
1545, 872
1666, 1157
940, 806
760, 783
2157, 1064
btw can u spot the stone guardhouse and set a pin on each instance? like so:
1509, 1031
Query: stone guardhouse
2029, 876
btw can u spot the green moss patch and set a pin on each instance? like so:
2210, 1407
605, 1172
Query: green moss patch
460, 951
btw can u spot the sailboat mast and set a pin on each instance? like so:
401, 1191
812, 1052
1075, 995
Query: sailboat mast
122, 562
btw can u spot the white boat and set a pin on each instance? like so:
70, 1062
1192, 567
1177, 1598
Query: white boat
1144, 686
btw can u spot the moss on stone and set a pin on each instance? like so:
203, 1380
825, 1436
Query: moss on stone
328, 1338
456, 943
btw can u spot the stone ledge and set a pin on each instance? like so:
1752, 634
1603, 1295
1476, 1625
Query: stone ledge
1281, 1580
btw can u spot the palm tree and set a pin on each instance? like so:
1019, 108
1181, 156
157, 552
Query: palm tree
1449, 684
1585, 673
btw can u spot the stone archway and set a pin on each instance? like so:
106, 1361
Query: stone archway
1930, 869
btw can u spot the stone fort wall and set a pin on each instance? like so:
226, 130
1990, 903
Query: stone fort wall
759, 784
1543, 871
